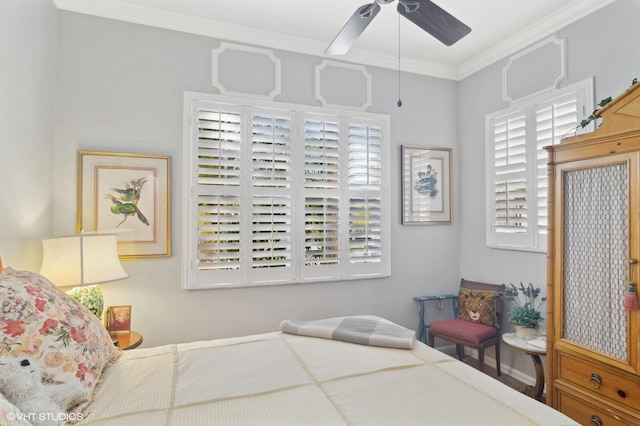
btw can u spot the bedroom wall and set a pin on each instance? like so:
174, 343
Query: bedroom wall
602, 45
120, 88
28, 58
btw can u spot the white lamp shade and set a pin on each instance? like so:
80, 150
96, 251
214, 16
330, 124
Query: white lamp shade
81, 259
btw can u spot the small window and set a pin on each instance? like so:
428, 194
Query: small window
517, 163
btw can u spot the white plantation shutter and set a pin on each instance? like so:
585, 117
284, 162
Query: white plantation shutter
510, 168
271, 203
322, 196
218, 147
517, 164
365, 156
218, 232
365, 185
271, 232
281, 196
218, 159
321, 154
365, 217
271, 150
553, 121
321, 229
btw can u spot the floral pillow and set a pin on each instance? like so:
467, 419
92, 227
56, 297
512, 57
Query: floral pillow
58, 334
477, 306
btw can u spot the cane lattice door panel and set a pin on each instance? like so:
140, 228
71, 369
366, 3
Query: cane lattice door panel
596, 254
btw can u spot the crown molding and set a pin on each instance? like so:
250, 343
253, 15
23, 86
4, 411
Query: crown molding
530, 35
114, 9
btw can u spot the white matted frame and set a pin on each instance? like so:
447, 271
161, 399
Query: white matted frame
426, 185
126, 194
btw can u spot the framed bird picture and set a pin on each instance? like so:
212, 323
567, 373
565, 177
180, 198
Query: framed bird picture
127, 194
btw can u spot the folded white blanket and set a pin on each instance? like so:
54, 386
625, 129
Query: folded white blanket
364, 330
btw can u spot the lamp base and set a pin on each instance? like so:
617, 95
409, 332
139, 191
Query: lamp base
90, 297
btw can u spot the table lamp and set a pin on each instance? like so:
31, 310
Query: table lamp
83, 260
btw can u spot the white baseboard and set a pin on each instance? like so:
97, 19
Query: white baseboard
490, 361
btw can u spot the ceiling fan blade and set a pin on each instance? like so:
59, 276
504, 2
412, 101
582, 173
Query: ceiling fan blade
352, 29
436, 21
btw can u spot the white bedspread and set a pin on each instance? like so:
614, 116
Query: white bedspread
281, 379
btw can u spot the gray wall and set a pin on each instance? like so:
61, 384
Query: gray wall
120, 88
28, 50
602, 45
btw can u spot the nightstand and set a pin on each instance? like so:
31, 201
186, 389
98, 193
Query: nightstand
128, 340
535, 352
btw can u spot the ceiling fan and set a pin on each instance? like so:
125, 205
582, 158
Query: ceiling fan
424, 13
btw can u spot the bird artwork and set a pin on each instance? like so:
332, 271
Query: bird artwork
126, 202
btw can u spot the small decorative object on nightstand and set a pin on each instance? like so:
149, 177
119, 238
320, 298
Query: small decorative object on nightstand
118, 319
129, 340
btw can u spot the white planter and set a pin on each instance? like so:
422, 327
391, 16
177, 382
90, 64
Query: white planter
526, 333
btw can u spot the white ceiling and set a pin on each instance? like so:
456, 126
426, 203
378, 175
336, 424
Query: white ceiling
499, 27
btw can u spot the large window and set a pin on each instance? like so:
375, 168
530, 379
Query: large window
283, 194
517, 163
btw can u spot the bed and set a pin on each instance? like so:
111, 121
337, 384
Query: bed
360, 370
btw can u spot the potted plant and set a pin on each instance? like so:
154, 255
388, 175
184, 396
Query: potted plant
525, 313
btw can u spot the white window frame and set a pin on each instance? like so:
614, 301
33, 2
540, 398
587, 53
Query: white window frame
532, 236
348, 268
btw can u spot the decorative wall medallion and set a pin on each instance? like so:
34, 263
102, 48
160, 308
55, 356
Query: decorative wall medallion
343, 85
234, 71
548, 57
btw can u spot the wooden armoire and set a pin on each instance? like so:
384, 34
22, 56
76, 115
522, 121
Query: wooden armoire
593, 342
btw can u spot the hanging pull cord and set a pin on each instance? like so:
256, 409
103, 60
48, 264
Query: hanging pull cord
399, 100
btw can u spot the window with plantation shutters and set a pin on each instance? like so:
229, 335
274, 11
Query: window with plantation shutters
282, 194
517, 163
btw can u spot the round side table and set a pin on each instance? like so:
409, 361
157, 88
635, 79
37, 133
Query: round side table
128, 340
510, 339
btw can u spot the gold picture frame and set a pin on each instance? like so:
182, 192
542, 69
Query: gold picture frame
118, 319
426, 185
129, 195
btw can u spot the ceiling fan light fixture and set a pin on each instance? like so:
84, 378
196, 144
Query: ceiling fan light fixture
368, 12
410, 5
